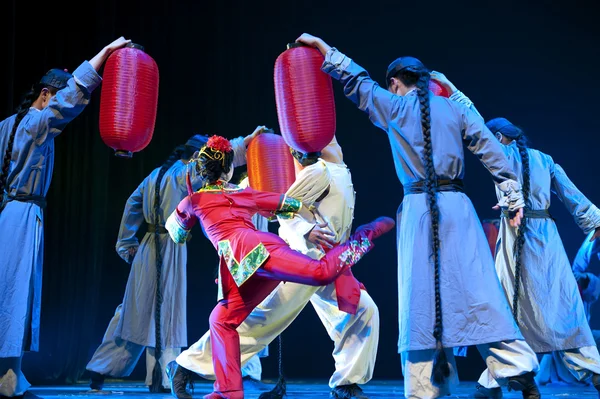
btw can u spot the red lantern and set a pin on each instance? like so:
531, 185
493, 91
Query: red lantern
490, 228
270, 164
438, 89
304, 97
128, 100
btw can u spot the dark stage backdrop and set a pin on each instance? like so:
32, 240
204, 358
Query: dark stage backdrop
535, 64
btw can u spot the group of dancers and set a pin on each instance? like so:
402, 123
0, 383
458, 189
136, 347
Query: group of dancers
450, 294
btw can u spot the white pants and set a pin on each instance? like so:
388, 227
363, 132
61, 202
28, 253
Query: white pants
12, 380
116, 357
570, 366
355, 337
503, 359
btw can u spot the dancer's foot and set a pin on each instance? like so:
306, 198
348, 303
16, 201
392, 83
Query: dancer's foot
483, 392
526, 385
376, 228
351, 391
180, 377
96, 381
596, 383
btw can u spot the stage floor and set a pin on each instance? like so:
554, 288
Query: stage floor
296, 389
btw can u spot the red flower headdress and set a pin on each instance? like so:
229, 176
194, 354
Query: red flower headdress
215, 149
219, 143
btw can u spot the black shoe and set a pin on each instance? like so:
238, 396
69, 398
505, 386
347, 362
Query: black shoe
96, 381
491, 393
180, 378
596, 382
351, 391
526, 385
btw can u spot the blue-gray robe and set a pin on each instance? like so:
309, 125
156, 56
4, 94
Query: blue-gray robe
588, 255
21, 223
137, 323
475, 310
551, 313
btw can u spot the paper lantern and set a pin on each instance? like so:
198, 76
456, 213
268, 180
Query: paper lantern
490, 228
438, 89
128, 100
270, 164
304, 98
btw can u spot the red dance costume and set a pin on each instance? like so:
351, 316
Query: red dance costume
253, 263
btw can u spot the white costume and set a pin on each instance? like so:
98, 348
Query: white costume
355, 336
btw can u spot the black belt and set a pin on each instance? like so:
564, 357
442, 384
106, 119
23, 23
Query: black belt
532, 214
420, 187
161, 229
32, 199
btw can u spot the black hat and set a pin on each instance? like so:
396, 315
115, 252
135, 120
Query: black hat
400, 64
503, 126
56, 78
197, 141
305, 159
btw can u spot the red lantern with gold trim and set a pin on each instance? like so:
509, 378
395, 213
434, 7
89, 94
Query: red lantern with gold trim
270, 164
128, 100
304, 97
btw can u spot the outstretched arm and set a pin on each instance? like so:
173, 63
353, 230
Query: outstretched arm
481, 142
69, 102
586, 214
455, 94
240, 145
380, 104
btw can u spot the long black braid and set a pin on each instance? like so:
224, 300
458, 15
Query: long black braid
521, 142
22, 110
419, 77
177, 154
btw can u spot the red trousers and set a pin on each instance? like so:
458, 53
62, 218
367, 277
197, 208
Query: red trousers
283, 264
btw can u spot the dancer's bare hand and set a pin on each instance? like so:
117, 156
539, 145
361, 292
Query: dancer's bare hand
596, 234
259, 130
321, 235
313, 41
117, 44
514, 217
443, 81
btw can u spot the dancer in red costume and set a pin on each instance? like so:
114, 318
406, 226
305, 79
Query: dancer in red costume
252, 263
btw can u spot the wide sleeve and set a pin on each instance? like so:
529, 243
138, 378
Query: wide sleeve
180, 222
586, 214
270, 204
311, 184
239, 152
482, 143
67, 104
133, 217
381, 105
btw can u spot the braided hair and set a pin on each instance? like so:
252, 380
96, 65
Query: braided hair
502, 127
418, 76
180, 152
521, 142
22, 110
